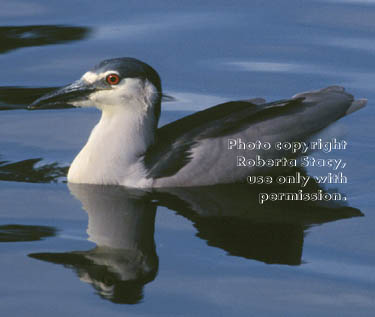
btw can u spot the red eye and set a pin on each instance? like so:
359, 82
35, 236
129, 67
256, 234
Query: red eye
113, 79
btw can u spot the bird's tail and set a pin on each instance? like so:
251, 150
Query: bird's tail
356, 105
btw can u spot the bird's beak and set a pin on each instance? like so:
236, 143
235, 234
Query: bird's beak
65, 97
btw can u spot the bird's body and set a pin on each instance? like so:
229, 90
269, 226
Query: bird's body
126, 147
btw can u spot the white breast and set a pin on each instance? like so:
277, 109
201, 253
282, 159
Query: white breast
112, 154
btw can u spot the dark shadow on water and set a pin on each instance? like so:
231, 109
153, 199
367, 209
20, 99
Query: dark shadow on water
28, 171
21, 233
229, 217
15, 37
15, 98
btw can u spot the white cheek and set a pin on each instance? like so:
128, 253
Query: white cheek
84, 103
106, 98
150, 93
129, 91
131, 88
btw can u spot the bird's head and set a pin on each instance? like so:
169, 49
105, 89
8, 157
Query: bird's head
113, 83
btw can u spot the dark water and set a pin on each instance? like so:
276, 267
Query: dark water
109, 251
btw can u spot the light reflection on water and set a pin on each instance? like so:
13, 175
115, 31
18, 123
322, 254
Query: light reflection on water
206, 54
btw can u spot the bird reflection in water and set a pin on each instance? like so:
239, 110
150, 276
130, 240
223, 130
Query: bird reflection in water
121, 224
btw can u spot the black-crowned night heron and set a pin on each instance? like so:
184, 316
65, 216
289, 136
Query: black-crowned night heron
127, 148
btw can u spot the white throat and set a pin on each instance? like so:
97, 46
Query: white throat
114, 150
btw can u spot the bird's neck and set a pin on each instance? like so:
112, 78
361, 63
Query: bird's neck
114, 151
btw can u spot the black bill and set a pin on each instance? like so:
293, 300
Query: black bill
65, 97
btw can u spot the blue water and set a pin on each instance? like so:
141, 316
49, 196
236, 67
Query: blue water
206, 53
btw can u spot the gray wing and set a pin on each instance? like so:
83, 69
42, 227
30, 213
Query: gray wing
304, 114
174, 141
